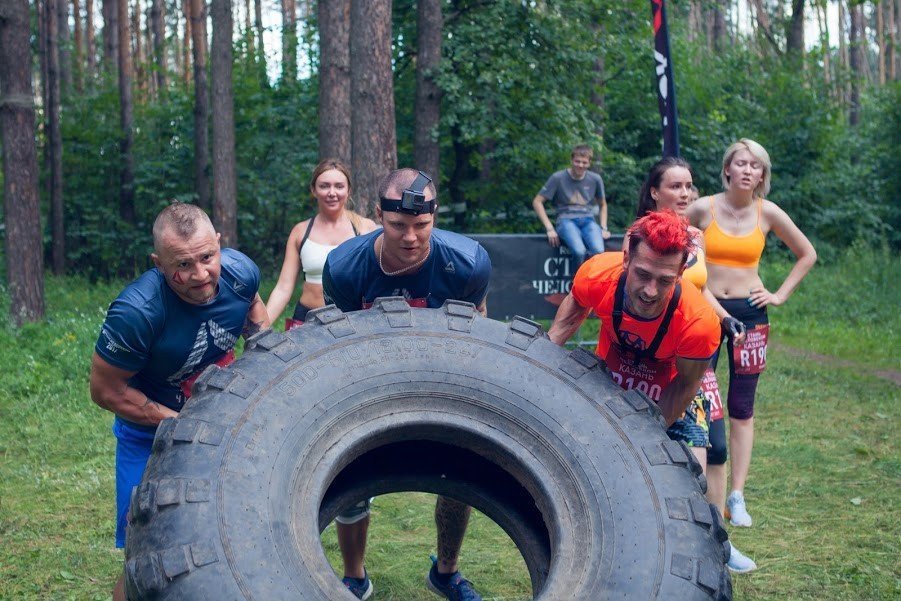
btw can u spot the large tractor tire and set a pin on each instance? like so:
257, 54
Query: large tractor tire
578, 472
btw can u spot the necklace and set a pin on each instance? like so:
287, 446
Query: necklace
403, 269
738, 220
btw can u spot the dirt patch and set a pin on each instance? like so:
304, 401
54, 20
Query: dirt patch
892, 375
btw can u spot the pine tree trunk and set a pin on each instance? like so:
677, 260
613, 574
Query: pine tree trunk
54, 139
187, 52
892, 38
334, 79
289, 41
137, 48
843, 52
374, 143
855, 43
90, 39
823, 23
126, 119
21, 200
158, 25
79, 46
224, 184
427, 113
110, 35
248, 27
65, 44
201, 105
258, 23
795, 38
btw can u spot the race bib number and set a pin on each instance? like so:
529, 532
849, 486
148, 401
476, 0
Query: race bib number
711, 390
749, 358
648, 376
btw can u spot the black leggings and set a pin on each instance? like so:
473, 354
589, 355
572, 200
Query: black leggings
742, 388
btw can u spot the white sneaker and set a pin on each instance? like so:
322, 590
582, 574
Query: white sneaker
739, 563
738, 514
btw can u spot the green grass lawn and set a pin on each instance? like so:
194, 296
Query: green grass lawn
823, 487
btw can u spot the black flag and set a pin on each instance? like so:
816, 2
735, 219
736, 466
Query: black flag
666, 88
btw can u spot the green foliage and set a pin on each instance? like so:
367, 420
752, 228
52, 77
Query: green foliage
521, 84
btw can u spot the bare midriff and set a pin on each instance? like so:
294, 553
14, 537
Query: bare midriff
311, 296
732, 282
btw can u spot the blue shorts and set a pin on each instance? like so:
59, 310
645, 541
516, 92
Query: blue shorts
132, 452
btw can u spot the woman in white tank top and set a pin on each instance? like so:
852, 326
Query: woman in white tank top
310, 241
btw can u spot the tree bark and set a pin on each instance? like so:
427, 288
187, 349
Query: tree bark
429, 31
248, 27
78, 45
90, 40
856, 57
110, 35
186, 48
137, 47
157, 24
823, 23
717, 19
374, 142
334, 79
289, 41
795, 38
54, 139
21, 200
843, 51
258, 23
890, 42
126, 119
201, 105
65, 54
224, 184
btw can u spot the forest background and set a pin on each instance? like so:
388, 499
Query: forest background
490, 95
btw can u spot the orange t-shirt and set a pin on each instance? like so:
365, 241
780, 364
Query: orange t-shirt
694, 331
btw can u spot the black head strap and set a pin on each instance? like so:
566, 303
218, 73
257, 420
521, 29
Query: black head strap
412, 201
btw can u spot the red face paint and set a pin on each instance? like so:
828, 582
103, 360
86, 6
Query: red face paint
177, 278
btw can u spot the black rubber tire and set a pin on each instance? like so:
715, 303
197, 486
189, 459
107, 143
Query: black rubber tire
578, 472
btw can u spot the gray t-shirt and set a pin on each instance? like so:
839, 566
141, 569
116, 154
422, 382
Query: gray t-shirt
573, 198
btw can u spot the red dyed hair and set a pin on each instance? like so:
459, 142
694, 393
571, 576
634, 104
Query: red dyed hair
664, 231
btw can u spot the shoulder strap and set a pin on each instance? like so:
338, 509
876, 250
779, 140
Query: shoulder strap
306, 234
651, 350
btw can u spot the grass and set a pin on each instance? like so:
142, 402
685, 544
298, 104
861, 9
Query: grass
823, 487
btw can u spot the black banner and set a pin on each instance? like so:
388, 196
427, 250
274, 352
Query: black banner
666, 87
529, 277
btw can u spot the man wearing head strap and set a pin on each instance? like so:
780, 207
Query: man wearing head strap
163, 330
408, 257
656, 335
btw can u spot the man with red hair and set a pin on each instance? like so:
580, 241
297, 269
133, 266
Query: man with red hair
656, 335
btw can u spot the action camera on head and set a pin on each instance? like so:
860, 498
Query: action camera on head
412, 201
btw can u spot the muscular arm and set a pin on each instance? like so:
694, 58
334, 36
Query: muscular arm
569, 317
257, 317
287, 278
110, 390
677, 395
538, 205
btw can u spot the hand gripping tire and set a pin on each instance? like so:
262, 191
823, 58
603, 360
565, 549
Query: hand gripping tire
268, 451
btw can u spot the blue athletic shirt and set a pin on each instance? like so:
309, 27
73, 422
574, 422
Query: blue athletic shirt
458, 268
150, 330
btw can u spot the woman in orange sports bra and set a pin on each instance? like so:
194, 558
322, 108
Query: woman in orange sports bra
735, 224
311, 240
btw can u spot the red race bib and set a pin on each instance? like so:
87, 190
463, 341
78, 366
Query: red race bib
226, 359
649, 376
290, 324
711, 391
749, 358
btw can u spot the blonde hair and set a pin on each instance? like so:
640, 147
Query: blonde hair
338, 165
759, 153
